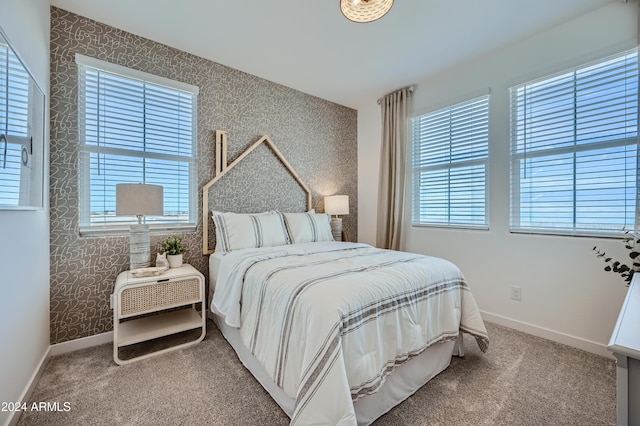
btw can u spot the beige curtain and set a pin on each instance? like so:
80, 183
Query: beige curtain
392, 168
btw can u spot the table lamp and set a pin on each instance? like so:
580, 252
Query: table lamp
335, 205
138, 199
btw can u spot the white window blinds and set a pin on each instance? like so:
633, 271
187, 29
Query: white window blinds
450, 155
574, 143
14, 124
134, 128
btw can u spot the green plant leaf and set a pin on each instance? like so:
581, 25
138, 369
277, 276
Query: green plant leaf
626, 272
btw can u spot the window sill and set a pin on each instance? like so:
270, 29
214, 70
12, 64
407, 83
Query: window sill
570, 234
458, 227
99, 231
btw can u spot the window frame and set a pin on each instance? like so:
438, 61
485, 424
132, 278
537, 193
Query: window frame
86, 228
451, 165
17, 145
515, 203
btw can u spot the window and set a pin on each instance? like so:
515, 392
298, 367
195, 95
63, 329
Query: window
14, 125
573, 149
450, 158
134, 128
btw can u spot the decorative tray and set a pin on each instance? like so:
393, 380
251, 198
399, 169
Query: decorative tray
148, 272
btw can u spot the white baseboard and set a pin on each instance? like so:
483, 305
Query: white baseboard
82, 343
33, 381
545, 333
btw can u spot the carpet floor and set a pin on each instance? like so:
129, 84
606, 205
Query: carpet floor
522, 380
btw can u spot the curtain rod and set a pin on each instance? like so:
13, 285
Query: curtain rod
411, 89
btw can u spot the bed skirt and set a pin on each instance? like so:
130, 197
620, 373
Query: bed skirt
402, 383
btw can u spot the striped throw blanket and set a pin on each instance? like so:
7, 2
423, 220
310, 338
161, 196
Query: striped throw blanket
330, 321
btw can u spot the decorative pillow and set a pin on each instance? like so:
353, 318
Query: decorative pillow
236, 231
308, 227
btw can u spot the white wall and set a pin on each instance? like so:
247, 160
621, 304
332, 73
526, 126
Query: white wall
369, 134
566, 296
24, 235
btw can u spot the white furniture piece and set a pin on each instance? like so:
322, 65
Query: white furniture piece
625, 345
133, 298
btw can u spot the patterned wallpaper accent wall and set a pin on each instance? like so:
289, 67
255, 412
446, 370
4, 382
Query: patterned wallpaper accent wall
317, 137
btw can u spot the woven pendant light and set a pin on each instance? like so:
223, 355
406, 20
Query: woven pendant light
365, 10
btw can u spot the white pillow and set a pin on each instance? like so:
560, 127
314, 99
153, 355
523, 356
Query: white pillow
308, 227
236, 231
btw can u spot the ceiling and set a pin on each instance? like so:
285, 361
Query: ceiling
311, 47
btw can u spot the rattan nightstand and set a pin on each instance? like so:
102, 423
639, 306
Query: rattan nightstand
133, 298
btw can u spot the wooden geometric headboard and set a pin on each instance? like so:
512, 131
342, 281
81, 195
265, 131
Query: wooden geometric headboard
222, 168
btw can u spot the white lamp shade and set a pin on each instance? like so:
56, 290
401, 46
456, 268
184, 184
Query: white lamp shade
135, 199
336, 204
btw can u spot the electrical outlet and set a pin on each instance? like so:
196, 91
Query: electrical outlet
516, 293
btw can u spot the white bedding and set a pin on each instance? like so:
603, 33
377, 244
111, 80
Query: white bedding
214, 266
330, 321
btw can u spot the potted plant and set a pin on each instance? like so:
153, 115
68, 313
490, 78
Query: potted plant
174, 249
630, 240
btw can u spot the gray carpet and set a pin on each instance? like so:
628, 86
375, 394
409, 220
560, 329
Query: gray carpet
521, 380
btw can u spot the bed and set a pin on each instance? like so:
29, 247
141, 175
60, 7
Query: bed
338, 333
